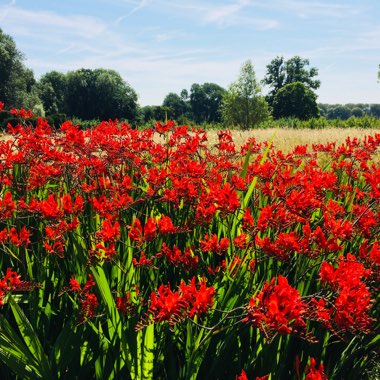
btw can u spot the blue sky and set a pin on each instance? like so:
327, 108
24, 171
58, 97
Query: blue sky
162, 46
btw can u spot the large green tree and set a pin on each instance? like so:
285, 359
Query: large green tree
281, 72
243, 104
52, 89
177, 106
205, 101
100, 93
295, 100
16, 81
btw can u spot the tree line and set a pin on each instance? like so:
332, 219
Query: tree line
103, 94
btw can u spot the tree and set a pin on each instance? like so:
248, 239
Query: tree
16, 81
243, 105
295, 100
339, 112
281, 72
357, 112
205, 101
100, 93
177, 105
375, 110
149, 114
52, 89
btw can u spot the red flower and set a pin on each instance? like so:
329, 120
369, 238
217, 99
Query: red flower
211, 244
352, 305
124, 304
278, 308
201, 299
136, 231
242, 376
150, 229
74, 284
248, 221
24, 114
1, 106
165, 225
166, 305
241, 241
175, 256
109, 232
375, 253
88, 301
143, 262
314, 372
7, 206
11, 282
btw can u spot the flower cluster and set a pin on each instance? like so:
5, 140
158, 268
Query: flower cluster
87, 299
189, 300
277, 308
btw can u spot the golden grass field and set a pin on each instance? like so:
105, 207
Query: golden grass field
287, 139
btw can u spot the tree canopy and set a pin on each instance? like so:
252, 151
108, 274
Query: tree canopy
295, 100
280, 72
52, 90
16, 81
205, 100
177, 105
243, 105
100, 93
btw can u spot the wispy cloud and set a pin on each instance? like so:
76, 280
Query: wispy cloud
224, 13
80, 25
312, 9
239, 13
137, 6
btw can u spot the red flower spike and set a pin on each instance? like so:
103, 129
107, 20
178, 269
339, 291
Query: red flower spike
314, 372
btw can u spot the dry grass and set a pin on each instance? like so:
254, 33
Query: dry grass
287, 139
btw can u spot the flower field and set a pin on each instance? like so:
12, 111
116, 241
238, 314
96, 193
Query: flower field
152, 254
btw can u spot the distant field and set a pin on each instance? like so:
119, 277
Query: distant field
287, 139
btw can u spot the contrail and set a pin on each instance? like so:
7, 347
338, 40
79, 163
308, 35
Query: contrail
142, 4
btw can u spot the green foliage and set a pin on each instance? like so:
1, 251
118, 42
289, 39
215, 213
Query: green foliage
243, 105
16, 81
149, 114
52, 89
281, 72
177, 106
100, 93
375, 110
295, 100
339, 112
205, 101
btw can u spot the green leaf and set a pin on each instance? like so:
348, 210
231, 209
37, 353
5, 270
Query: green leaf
115, 324
15, 354
148, 352
31, 339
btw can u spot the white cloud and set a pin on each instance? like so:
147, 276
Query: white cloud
79, 25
